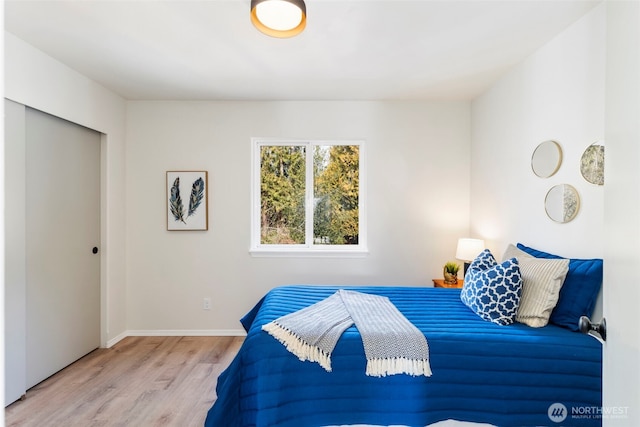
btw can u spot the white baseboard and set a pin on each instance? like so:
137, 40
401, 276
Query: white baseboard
177, 333
113, 341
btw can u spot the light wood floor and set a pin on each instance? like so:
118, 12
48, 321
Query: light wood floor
139, 382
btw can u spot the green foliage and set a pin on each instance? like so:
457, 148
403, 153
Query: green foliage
336, 191
451, 268
282, 194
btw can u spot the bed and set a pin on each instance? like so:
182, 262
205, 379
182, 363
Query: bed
483, 372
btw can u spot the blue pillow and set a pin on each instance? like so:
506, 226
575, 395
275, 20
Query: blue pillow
493, 290
579, 292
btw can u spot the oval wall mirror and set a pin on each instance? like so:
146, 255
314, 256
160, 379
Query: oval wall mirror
592, 163
562, 203
546, 159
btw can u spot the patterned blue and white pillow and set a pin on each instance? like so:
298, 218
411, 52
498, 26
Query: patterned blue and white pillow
493, 290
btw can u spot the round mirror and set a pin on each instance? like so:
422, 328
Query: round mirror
562, 203
546, 159
592, 163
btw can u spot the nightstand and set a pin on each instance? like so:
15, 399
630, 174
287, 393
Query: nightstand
439, 283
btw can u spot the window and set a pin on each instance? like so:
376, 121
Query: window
308, 198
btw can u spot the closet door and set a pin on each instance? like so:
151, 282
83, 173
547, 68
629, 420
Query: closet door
62, 240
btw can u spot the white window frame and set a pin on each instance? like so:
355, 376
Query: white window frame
307, 249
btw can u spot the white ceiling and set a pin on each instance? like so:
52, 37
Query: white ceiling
351, 49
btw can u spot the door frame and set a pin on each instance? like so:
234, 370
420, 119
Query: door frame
15, 152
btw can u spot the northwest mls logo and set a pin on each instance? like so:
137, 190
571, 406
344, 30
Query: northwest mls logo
557, 412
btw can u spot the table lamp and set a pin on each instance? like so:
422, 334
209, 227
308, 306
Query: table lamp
468, 250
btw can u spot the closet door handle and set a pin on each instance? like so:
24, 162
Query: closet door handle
94, 250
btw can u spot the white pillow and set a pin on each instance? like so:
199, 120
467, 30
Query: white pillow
541, 282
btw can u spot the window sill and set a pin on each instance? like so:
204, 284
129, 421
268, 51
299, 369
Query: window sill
308, 253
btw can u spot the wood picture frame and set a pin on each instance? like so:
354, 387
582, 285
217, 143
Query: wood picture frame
187, 200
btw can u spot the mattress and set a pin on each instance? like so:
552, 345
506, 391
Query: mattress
482, 372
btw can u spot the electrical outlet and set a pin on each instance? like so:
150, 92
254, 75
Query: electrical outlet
206, 304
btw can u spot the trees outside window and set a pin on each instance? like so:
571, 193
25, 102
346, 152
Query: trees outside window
308, 196
282, 194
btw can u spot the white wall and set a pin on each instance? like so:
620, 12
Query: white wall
583, 86
557, 93
622, 212
418, 202
41, 82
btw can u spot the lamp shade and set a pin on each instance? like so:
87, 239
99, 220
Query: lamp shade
469, 249
279, 18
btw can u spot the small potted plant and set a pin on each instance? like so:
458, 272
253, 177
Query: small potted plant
450, 272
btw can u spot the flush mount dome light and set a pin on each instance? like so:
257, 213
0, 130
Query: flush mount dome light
279, 18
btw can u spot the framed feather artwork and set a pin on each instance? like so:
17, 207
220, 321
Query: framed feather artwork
187, 201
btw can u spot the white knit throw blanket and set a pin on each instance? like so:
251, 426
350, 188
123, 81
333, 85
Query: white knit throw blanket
392, 344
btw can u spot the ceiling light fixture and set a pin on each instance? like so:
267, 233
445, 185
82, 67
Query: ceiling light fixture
279, 18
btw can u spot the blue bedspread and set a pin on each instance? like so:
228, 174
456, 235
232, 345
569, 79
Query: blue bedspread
482, 372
